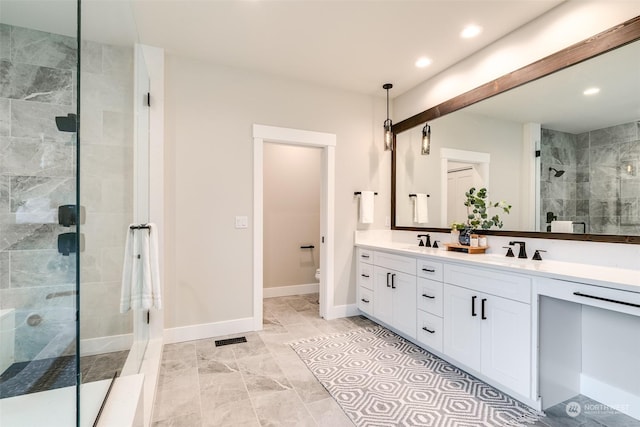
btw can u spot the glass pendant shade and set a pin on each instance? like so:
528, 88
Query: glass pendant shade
388, 136
426, 140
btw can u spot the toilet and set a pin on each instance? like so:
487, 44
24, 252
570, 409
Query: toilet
317, 274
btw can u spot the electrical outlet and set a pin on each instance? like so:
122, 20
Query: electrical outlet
242, 222
387, 221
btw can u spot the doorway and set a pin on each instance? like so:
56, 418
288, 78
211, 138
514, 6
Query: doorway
327, 142
472, 169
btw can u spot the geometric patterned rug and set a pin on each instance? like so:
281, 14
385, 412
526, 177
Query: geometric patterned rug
380, 379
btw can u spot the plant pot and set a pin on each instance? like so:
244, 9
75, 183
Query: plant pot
465, 237
455, 235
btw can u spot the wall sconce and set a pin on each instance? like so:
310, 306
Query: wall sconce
426, 140
388, 135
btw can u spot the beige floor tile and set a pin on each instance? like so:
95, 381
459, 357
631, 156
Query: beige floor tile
282, 408
189, 420
219, 389
174, 402
238, 413
327, 413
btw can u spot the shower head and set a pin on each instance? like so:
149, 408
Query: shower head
557, 173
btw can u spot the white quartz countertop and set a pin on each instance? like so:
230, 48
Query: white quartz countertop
617, 278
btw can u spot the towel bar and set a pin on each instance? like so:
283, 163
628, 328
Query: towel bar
139, 227
357, 193
413, 195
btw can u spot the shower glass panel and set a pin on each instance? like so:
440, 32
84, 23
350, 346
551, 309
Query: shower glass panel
112, 342
38, 234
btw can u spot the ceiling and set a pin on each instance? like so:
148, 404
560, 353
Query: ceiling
354, 45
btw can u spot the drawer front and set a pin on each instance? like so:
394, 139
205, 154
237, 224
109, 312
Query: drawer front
365, 255
430, 270
596, 296
395, 262
492, 282
365, 301
430, 330
365, 275
429, 296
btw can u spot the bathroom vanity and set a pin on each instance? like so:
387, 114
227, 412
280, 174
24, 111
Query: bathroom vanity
541, 331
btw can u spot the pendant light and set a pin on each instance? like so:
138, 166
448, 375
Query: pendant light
426, 140
388, 135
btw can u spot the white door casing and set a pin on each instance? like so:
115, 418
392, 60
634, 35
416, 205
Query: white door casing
326, 141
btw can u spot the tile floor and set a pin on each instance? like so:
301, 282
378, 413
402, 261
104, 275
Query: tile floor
263, 382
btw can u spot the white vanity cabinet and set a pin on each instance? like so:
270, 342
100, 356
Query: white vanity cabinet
429, 299
488, 333
395, 292
365, 281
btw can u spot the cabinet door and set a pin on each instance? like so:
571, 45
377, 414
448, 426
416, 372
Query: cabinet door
383, 302
462, 325
404, 303
506, 343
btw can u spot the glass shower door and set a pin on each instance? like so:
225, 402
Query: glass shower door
38, 236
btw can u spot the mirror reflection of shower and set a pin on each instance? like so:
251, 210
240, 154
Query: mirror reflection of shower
556, 173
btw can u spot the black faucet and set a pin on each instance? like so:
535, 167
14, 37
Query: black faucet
428, 244
523, 251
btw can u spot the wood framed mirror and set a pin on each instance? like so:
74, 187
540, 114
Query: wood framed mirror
577, 177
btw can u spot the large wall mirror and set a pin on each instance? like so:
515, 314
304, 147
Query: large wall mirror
567, 160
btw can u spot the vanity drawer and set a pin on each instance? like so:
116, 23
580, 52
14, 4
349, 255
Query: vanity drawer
429, 296
395, 262
596, 296
365, 255
430, 270
430, 332
365, 300
365, 275
511, 286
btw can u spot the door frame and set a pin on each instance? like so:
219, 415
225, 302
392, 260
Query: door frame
327, 142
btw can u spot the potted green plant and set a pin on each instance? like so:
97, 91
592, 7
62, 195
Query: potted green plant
478, 216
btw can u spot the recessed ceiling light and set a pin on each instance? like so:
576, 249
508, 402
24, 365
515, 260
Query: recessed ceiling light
470, 31
591, 91
423, 62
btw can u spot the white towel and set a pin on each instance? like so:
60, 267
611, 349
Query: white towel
366, 207
562, 226
420, 209
141, 271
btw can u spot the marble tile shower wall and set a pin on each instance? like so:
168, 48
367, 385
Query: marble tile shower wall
601, 183
37, 174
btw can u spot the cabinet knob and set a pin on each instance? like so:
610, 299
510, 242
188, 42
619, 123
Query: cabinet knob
424, 328
429, 270
428, 296
365, 300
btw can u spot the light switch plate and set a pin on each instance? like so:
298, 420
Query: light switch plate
242, 222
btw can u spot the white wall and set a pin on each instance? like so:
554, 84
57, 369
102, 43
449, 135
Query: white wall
291, 214
210, 111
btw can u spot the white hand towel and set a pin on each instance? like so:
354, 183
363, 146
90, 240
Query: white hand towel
420, 209
366, 207
562, 226
141, 288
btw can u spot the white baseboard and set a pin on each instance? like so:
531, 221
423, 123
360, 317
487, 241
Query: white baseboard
108, 344
207, 330
347, 310
283, 291
614, 397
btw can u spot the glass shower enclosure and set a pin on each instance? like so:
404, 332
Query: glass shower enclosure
72, 124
